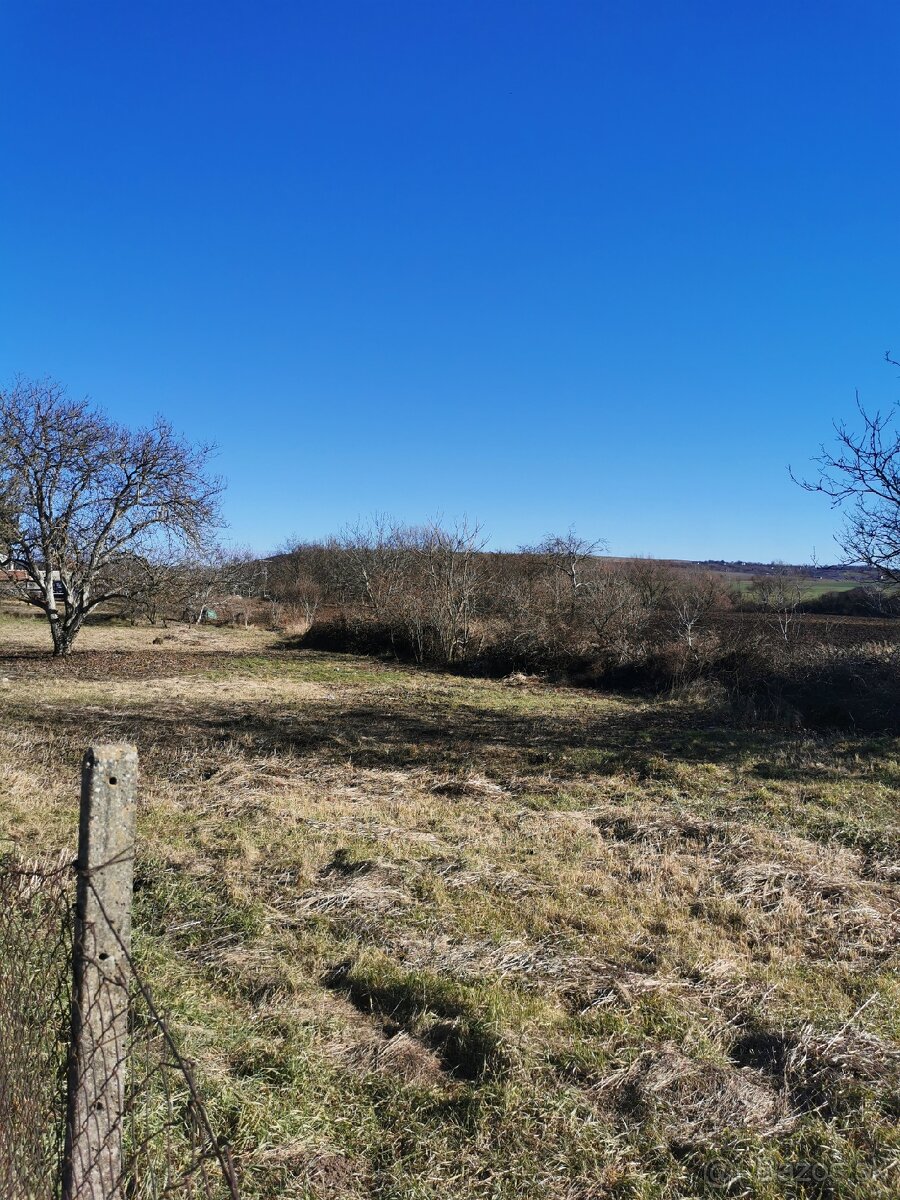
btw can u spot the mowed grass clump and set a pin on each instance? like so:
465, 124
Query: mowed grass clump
427, 936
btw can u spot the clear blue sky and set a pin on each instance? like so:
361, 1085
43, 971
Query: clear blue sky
614, 264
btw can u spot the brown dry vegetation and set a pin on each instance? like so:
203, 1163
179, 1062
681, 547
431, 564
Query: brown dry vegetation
434, 936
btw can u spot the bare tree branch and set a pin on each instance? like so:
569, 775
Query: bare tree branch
861, 475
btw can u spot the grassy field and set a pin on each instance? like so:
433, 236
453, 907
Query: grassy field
427, 936
810, 589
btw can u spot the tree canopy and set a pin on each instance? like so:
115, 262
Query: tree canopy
81, 497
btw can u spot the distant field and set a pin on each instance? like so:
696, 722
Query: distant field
810, 586
811, 589
431, 938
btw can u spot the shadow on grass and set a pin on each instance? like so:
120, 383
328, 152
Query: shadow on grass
395, 734
431, 1008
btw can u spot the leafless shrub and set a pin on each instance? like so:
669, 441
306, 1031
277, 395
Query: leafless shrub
434, 595
418, 583
780, 595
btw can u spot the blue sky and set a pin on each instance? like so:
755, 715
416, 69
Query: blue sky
610, 264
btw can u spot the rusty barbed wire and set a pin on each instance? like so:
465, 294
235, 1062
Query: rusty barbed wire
160, 1142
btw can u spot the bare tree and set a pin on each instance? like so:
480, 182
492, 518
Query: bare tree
450, 557
242, 582
862, 475
780, 594
616, 612
81, 496
155, 584
302, 575
655, 582
566, 555
378, 560
419, 584
694, 597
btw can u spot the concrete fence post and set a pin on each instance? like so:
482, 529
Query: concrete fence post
93, 1163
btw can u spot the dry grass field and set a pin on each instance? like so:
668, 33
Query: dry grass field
428, 936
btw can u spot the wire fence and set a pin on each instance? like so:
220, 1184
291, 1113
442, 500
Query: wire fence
35, 1002
143, 1132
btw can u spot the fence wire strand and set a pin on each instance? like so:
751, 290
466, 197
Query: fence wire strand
36, 929
159, 1143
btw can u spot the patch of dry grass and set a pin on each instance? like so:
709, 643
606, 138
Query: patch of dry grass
433, 936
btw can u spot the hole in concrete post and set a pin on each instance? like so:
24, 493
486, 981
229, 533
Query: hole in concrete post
113, 780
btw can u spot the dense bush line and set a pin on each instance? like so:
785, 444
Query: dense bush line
434, 596
559, 609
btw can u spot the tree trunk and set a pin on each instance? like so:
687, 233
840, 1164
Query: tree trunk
62, 642
65, 632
